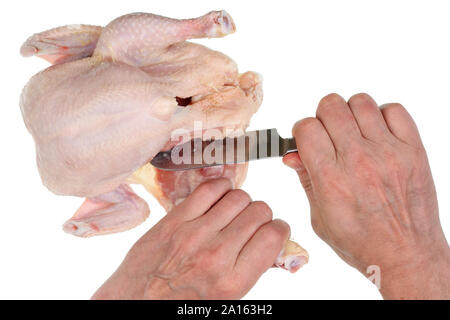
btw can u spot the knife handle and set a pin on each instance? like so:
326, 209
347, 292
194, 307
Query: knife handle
288, 145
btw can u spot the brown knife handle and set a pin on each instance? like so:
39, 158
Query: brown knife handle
288, 145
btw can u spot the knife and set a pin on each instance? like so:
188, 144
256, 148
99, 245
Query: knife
253, 145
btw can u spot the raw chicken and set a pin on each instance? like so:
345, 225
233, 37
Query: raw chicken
110, 103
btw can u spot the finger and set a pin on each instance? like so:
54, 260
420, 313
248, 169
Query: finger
224, 211
241, 229
401, 124
313, 143
293, 161
338, 120
368, 116
261, 251
201, 199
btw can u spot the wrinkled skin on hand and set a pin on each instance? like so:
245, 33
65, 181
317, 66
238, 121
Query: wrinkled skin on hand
214, 245
372, 196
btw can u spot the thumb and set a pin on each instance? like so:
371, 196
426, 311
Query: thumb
292, 160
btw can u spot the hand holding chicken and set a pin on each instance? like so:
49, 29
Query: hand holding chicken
214, 245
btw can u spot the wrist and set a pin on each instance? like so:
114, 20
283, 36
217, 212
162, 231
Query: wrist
118, 287
422, 276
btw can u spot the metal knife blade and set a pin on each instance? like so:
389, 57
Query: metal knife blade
195, 154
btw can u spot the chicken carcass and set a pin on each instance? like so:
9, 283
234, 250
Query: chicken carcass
110, 102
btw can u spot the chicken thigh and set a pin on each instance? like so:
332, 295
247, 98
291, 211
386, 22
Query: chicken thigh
112, 100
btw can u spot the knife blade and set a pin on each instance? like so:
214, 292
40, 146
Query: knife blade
253, 145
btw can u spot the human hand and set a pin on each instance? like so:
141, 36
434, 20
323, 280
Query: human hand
214, 245
372, 196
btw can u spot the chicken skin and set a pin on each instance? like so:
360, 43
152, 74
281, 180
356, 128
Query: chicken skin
112, 100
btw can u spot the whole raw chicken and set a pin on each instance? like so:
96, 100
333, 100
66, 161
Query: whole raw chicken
112, 99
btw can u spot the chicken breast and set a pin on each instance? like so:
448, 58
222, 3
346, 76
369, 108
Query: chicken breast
112, 100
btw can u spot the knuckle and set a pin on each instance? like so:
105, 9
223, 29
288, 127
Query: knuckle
393, 107
304, 125
329, 101
239, 195
277, 232
331, 98
274, 236
262, 208
360, 98
206, 188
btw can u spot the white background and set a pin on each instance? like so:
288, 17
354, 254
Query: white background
396, 51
